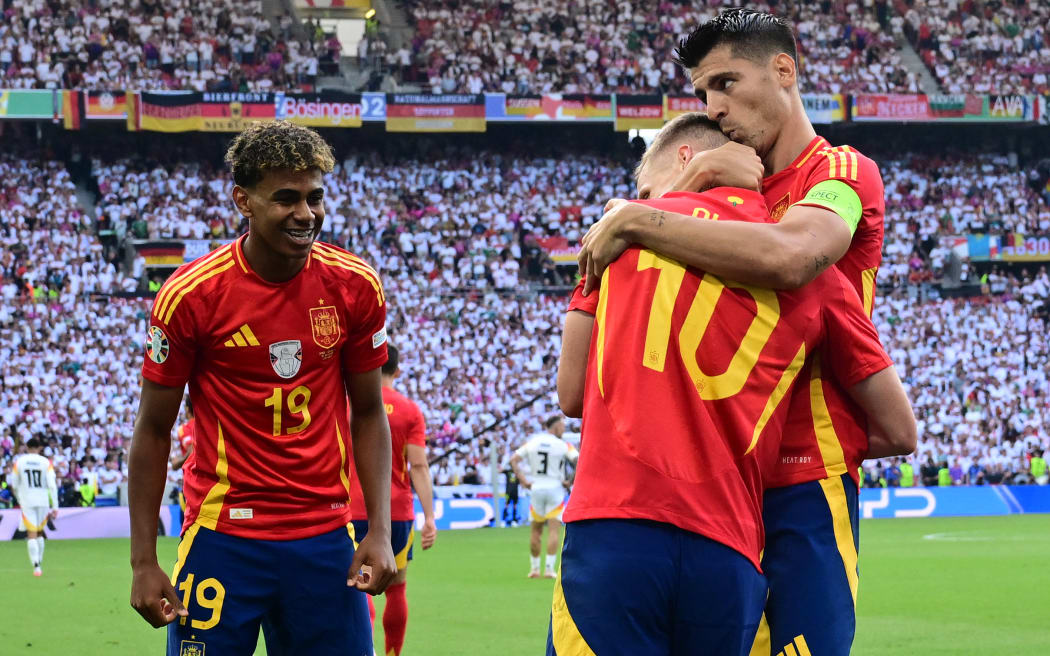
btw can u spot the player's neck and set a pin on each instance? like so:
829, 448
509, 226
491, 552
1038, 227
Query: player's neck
388, 382
268, 265
793, 139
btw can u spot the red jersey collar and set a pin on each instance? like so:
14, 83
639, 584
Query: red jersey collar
242, 262
811, 148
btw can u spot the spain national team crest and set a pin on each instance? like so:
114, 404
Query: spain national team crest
780, 208
191, 648
286, 357
324, 322
156, 345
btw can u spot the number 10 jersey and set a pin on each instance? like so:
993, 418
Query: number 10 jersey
265, 363
688, 382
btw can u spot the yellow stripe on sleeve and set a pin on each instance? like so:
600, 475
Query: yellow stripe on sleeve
803, 648
350, 267
355, 263
193, 285
172, 286
867, 285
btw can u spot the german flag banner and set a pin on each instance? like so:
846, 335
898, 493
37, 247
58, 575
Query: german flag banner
675, 106
584, 107
639, 112
204, 112
72, 107
427, 113
161, 253
110, 105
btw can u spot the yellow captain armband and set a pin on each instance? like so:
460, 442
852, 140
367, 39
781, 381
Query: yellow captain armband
838, 197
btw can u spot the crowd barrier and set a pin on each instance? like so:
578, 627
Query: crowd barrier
474, 507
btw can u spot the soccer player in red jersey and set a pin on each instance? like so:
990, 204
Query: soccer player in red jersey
827, 208
272, 333
410, 470
184, 435
684, 402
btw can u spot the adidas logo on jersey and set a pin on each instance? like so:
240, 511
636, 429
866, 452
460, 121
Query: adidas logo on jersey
243, 337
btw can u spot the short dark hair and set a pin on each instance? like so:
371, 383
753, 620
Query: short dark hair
277, 145
392, 360
695, 125
755, 35
33, 443
553, 419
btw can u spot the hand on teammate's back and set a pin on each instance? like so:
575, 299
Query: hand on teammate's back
373, 567
729, 165
428, 534
153, 596
603, 242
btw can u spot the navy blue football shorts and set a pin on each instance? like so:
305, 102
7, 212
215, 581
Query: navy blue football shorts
630, 587
810, 560
294, 589
401, 539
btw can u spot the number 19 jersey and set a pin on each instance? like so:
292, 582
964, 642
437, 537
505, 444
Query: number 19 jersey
265, 364
688, 380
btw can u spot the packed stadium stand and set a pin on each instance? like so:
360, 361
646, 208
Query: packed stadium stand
476, 306
983, 47
174, 44
533, 47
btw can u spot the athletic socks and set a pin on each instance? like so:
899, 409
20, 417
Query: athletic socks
33, 546
40, 547
371, 610
395, 619
550, 562
534, 563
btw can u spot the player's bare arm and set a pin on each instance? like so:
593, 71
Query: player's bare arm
572, 366
420, 475
152, 593
371, 437
784, 255
892, 430
515, 464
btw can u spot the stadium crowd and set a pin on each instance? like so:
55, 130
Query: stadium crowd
454, 236
983, 47
152, 45
602, 46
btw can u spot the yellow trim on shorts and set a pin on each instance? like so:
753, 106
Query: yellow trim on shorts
184, 550
33, 527
402, 556
567, 639
761, 646
553, 514
836, 496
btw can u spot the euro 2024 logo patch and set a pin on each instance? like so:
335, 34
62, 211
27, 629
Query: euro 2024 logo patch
156, 345
286, 357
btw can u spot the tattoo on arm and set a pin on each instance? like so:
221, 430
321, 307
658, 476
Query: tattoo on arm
657, 217
821, 263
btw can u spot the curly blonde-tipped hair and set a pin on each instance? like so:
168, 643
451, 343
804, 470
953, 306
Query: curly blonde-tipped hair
276, 145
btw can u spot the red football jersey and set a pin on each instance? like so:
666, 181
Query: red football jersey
826, 433
687, 380
406, 427
265, 363
185, 436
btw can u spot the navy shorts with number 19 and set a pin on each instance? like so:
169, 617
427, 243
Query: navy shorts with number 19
294, 589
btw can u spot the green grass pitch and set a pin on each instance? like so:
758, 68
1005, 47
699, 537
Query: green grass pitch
928, 586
